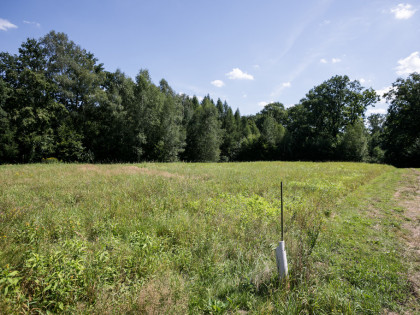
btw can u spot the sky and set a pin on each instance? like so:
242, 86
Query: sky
248, 53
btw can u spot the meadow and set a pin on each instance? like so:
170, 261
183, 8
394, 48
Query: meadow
181, 238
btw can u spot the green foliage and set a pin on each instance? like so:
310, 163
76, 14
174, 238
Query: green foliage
401, 138
326, 112
9, 282
276, 111
69, 144
199, 238
354, 145
50, 160
8, 146
204, 134
376, 129
56, 99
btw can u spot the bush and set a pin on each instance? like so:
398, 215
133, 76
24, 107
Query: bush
50, 160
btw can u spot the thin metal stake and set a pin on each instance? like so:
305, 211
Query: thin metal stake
281, 193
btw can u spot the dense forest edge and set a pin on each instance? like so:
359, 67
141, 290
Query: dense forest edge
57, 103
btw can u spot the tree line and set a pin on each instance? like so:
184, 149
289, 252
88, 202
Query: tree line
57, 101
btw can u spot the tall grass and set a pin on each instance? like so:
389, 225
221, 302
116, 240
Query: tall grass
170, 238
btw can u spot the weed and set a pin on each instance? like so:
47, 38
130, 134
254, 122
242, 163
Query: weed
198, 238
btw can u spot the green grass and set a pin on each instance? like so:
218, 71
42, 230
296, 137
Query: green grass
200, 238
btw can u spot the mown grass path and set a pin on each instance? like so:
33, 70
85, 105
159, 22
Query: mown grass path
361, 256
408, 196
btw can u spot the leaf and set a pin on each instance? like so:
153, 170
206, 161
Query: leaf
13, 273
13, 281
47, 288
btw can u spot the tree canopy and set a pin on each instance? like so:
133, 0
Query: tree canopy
57, 100
401, 139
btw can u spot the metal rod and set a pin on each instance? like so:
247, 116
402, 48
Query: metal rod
281, 193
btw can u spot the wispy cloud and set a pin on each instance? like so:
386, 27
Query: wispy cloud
32, 23
238, 74
409, 65
403, 11
297, 71
217, 83
277, 91
312, 13
333, 60
6, 25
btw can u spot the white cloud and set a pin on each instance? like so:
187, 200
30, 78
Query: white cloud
286, 84
384, 90
381, 93
403, 11
262, 104
409, 65
238, 74
32, 23
375, 110
217, 83
364, 81
333, 60
5, 25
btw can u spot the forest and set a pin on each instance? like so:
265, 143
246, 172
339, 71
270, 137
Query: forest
58, 103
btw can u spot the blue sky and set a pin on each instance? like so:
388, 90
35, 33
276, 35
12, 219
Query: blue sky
246, 52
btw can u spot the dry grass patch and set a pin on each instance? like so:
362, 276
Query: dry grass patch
163, 295
126, 170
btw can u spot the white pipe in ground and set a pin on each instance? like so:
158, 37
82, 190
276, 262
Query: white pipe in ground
281, 260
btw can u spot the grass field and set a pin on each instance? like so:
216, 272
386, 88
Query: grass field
200, 238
